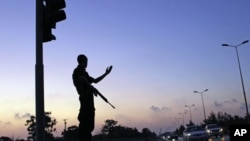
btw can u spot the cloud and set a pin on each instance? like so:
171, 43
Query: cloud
222, 104
217, 104
234, 106
7, 123
159, 109
243, 106
232, 101
235, 100
19, 116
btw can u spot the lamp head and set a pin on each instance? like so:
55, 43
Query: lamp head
245, 42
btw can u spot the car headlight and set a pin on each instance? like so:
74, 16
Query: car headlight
221, 130
208, 131
189, 134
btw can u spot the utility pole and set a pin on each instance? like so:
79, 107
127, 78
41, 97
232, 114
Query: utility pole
65, 124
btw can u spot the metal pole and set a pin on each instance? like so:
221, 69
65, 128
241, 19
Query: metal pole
65, 124
190, 113
182, 118
242, 83
39, 84
190, 110
202, 100
203, 107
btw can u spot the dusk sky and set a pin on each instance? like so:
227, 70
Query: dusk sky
161, 51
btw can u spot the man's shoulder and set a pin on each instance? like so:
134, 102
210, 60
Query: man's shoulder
80, 71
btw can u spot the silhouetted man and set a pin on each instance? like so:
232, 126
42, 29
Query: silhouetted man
86, 91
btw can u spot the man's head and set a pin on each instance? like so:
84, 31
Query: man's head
82, 60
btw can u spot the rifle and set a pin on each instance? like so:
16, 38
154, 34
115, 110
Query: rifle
104, 98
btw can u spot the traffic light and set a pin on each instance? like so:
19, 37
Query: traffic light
52, 13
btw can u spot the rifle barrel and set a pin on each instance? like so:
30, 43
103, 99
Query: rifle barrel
105, 99
111, 105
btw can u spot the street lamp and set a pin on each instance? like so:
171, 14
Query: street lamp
242, 83
178, 121
189, 106
202, 102
183, 117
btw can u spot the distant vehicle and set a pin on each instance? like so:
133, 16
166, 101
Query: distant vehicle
194, 133
172, 136
214, 130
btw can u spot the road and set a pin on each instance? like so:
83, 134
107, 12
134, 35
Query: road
225, 138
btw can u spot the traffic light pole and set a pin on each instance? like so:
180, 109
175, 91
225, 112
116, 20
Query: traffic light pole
39, 74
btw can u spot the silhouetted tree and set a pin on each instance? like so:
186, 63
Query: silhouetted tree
147, 133
180, 130
71, 133
111, 130
49, 127
212, 118
109, 124
31, 128
190, 123
19, 140
5, 139
122, 131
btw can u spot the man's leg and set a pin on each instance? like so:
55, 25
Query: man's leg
84, 134
81, 135
89, 125
86, 125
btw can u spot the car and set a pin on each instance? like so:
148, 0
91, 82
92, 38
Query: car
214, 130
195, 133
172, 136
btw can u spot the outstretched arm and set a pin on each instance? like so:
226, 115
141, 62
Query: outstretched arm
98, 79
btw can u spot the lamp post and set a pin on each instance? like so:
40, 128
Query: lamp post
183, 117
202, 103
242, 83
178, 121
189, 106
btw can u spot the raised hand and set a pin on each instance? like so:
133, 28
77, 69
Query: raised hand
108, 69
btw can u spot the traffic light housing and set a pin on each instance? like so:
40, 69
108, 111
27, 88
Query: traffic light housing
52, 13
